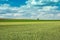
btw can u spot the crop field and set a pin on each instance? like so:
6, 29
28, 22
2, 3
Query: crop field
41, 30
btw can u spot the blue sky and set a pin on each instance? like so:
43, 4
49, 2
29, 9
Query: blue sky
30, 9
13, 3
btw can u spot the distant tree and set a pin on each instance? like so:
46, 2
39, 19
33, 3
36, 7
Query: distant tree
37, 18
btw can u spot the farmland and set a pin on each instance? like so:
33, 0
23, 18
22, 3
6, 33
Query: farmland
29, 30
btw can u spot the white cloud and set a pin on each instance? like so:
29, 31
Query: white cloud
29, 11
41, 2
55, 0
17, 14
34, 2
4, 6
1, 16
58, 15
48, 8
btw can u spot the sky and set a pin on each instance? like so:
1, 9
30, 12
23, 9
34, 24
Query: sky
30, 9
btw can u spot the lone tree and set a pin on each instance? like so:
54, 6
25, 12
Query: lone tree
37, 18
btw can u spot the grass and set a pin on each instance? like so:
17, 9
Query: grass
42, 30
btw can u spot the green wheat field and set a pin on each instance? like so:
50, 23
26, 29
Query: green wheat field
29, 30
